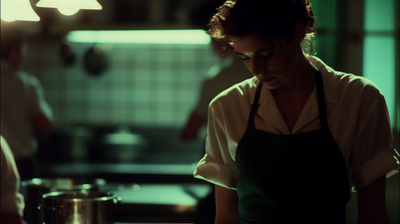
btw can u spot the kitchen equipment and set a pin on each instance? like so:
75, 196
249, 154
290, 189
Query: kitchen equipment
123, 145
73, 142
117, 187
95, 61
36, 187
67, 56
82, 207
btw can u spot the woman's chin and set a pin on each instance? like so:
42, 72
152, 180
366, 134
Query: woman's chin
271, 83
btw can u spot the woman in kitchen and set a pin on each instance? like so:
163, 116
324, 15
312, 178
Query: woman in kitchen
287, 145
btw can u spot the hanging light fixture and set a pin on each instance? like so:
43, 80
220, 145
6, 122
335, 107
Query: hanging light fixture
12, 10
70, 7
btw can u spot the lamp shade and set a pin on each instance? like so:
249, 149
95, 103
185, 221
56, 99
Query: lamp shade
90, 4
81, 4
12, 10
47, 3
68, 10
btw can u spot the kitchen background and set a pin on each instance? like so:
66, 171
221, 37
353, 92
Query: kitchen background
144, 84
152, 88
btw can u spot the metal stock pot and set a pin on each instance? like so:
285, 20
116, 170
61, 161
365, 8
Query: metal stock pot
79, 207
123, 146
36, 187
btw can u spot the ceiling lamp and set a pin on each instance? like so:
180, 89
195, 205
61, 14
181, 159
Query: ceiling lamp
70, 7
12, 10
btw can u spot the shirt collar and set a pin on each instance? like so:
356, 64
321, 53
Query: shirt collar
310, 111
328, 79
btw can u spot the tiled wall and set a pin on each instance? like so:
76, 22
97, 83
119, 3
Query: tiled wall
143, 85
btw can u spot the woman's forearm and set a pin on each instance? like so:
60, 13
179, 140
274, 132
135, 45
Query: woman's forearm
227, 206
11, 218
371, 203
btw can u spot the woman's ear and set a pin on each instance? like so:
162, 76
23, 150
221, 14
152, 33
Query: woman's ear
299, 33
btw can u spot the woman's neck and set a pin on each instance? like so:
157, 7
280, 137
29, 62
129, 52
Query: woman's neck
301, 83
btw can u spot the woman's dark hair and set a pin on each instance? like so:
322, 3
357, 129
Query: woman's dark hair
268, 18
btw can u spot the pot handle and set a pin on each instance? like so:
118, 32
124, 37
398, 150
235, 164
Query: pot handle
41, 207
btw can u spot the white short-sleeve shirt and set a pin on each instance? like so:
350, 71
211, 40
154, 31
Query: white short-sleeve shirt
357, 118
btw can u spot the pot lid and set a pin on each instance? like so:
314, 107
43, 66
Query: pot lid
57, 184
123, 136
78, 196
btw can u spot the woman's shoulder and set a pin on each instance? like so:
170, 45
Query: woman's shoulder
238, 94
346, 84
354, 85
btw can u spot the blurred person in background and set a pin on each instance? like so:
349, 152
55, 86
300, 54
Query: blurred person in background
12, 202
228, 71
25, 114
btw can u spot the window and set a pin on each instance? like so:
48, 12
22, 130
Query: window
380, 51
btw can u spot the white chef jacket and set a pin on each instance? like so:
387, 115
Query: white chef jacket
357, 118
22, 96
11, 200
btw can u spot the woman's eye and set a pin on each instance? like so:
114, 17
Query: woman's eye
266, 53
244, 58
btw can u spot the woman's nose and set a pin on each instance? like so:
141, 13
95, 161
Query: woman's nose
257, 67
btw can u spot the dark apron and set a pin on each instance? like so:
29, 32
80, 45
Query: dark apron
298, 178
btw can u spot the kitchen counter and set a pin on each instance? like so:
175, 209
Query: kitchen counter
153, 168
123, 173
167, 193
115, 168
161, 203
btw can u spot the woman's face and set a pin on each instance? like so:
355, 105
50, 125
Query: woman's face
271, 60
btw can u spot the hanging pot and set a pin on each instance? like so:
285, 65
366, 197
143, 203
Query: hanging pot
95, 61
68, 57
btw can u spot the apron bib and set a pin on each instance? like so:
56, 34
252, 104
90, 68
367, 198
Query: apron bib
298, 178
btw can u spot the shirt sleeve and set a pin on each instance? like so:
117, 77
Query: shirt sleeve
373, 155
217, 166
11, 200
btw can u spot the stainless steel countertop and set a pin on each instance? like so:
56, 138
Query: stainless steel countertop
84, 167
160, 202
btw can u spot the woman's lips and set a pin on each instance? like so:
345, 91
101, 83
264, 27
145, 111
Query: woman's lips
267, 80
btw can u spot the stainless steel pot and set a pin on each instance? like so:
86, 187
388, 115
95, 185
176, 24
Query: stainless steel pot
73, 142
35, 188
79, 207
123, 145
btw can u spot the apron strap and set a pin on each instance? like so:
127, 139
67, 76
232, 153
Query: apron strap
250, 123
320, 98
